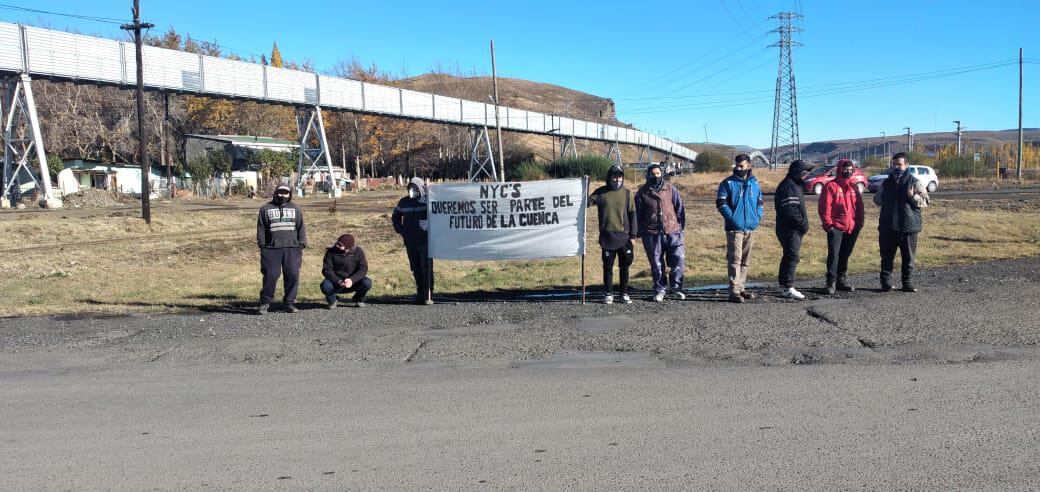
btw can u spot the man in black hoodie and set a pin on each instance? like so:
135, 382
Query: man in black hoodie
410, 221
281, 237
345, 268
792, 222
617, 229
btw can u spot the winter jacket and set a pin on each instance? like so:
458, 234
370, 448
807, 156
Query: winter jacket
901, 201
339, 265
789, 202
739, 200
659, 211
407, 214
280, 226
841, 206
617, 216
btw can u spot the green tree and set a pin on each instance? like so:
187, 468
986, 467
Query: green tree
55, 165
711, 161
200, 170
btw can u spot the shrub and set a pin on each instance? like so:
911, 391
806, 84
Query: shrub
526, 171
711, 161
593, 166
958, 167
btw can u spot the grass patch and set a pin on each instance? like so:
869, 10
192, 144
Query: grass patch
114, 263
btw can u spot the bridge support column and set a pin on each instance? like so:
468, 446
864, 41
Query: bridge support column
482, 163
646, 152
314, 150
568, 146
615, 152
23, 143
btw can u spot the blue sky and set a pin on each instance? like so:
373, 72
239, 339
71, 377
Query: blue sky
672, 67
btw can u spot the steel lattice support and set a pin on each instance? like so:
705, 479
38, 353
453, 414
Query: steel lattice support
647, 152
615, 152
314, 150
786, 146
482, 164
23, 143
568, 145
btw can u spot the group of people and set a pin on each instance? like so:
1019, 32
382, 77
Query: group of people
654, 214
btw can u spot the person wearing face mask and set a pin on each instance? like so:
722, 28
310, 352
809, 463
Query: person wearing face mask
345, 268
281, 237
739, 200
410, 221
841, 212
792, 222
661, 218
901, 197
617, 228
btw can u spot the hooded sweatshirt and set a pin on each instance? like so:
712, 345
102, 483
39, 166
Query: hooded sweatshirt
280, 225
789, 201
617, 215
841, 206
407, 214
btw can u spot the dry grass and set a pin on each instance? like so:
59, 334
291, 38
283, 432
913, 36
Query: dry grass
112, 262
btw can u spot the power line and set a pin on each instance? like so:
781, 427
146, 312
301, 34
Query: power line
107, 20
730, 14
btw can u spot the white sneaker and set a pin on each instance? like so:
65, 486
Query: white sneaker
608, 299
625, 299
678, 295
659, 297
792, 293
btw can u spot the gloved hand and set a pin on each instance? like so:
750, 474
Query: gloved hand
424, 224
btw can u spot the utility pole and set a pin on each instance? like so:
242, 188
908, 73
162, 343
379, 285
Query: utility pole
498, 122
884, 144
958, 122
785, 102
909, 140
142, 134
1020, 142
705, 135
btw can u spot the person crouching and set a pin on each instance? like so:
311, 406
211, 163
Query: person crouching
345, 268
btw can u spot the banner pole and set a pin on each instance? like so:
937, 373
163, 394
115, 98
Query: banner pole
428, 271
584, 233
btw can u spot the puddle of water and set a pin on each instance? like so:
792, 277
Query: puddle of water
594, 360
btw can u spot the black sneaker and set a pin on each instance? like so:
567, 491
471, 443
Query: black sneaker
332, 305
886, 288
846, 288
736, 298
290, 308
908, 287
829, 290
262, 309
747, 294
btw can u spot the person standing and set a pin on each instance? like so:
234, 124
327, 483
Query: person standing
739, 200
345, 269
411, 222
901, 197
617, 228
792, 222
281, 237
841, 212
661, 218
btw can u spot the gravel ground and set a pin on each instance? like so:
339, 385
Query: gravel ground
963, 314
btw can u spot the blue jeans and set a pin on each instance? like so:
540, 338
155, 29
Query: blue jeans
360, 289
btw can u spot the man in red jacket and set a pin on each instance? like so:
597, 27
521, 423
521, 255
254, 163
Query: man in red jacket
841, 211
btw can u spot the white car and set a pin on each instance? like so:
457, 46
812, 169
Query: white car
923, 174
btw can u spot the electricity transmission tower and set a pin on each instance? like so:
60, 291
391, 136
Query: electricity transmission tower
785, 106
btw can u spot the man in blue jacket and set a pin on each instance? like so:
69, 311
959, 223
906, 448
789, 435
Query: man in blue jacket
739, 200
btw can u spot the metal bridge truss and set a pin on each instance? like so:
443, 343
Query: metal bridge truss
27, 51
482, 163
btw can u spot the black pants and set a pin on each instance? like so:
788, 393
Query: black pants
839, 248
889, 242
791, 242
422, 269
360, 289
625, 256
275, 262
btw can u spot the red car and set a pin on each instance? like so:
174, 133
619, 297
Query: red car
822, 175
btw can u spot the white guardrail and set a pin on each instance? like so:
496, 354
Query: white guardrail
61, 55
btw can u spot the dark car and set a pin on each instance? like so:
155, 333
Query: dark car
822, 175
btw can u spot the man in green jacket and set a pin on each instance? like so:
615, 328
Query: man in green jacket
617, 228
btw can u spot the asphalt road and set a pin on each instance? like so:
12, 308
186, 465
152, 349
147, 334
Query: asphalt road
868, 390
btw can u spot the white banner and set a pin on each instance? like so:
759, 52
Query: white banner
507, 221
